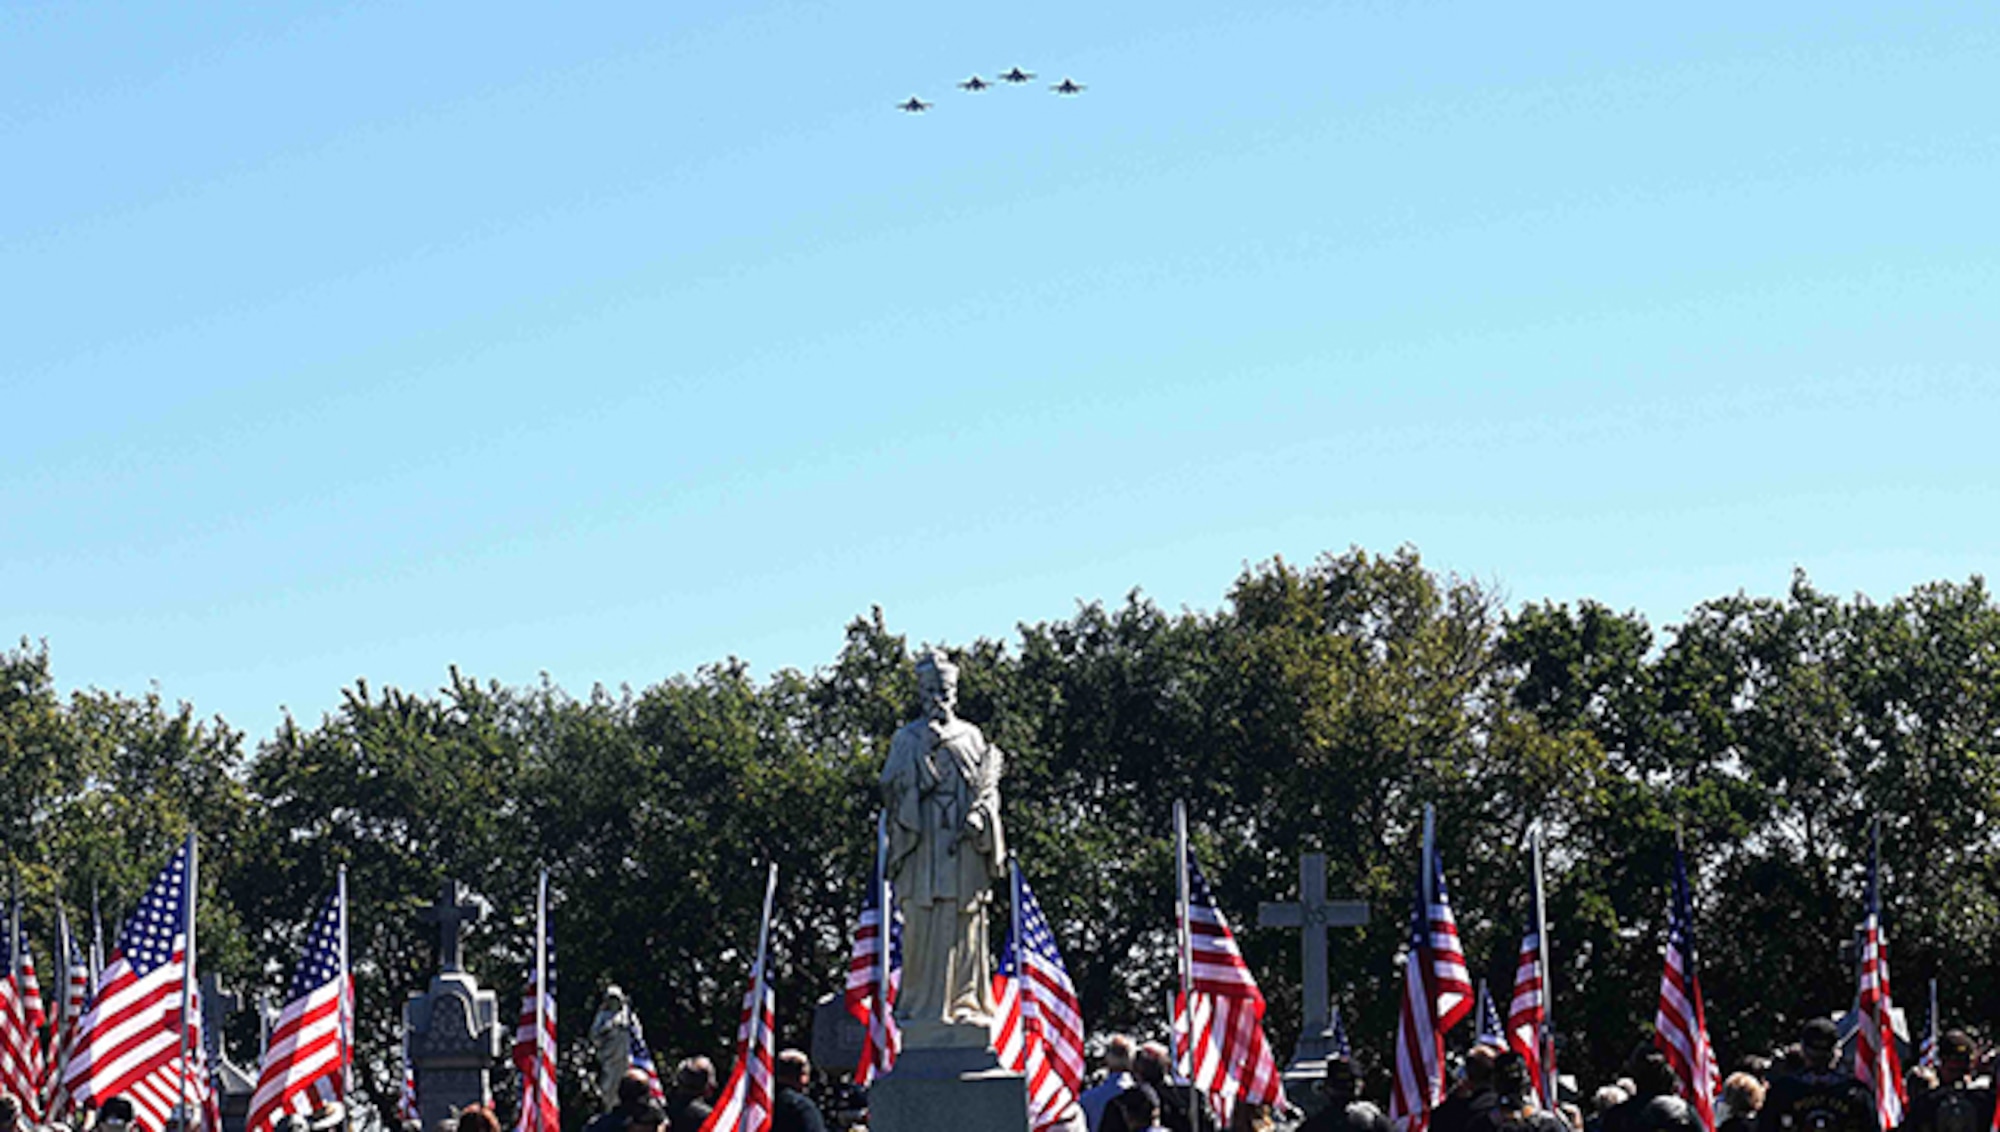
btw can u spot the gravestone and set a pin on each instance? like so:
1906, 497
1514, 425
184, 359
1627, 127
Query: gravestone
235, 1086
1312, 914
452, 1031
836, 1037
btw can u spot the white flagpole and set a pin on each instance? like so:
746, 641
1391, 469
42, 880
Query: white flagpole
347, 1006
541, 988
1184, 1062
188, 975
1548, 1037
762, 980
1429, 865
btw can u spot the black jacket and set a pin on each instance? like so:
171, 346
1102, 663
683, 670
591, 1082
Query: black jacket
793, 1111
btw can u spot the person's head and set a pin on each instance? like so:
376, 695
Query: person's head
1607, 1098
1150, 1064
1139, 1105
1340, 1085
650, 1118
937, 683
633, 1093
695, 1077
794, 1068
477, 1118
117, 1113
1756, 1065
10, 1111
1955, 1057
1743, 1093
1510, 1076
1818, 1040
1118, 1052
1248, 1116
1479, 1067
1650, 1073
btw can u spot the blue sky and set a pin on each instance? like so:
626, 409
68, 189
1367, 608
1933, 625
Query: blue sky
610, 340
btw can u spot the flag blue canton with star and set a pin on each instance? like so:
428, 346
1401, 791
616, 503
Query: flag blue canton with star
147, 940
1336, 1038
319, 962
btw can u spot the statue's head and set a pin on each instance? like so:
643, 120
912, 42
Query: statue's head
937, 684
614, 998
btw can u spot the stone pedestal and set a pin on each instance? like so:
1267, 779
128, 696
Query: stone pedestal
455, 1038
962, 1089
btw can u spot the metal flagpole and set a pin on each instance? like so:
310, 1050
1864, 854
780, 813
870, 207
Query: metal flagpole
1186, 1063
188, 972
541, 988
763, 956
346, 1000
1547, 1053
1020, 951
96, 942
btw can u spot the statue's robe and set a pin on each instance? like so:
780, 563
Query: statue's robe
941, 791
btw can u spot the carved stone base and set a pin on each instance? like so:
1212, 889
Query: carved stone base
960, 1088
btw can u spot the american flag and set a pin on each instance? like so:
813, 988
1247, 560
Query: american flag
745, 1103
129, 1042
1038, 1025
1680, 1026
1336, 1038
1437, 995
1219, 1017
1486, 1021
406, 1097
535, 1034
642, 1059
1528, 1016
1928, 1055
873, 978
69, 1012
1876, 1061
20, 1035
306, 1056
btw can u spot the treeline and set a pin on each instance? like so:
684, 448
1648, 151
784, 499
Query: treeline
1318, 708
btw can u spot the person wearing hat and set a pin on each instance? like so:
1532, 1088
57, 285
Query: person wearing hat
1818, 1097
1345, 1111
1954, 1106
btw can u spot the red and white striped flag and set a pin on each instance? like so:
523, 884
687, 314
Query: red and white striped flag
535, 1035
406, 1096
745, 1103
875, 972
69, 1011
20, 1033
141, 1015
1528, 1030
306, 1057
1218, 1020
1876, 1061
1038, 1025
1437, 994
1680, 1026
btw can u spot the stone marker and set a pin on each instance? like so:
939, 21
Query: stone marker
453, 1030
836, 1037
1312, 914
236, 1086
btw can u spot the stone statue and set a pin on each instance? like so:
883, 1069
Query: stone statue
611, 1038
941, 790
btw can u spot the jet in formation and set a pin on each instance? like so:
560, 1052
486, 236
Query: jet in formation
1016, 75
914, 106
1068, 87
975, 83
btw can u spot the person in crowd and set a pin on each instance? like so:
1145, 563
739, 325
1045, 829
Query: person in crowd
1606, 1098
1152, 1065
1819, 1097
1117, 1078
1756, 1065
1954, 1105
1515, 1108
634, 1094
1472, 1098
1742, 1096
691, 1100
10, 1113
651, 1117
1653, 1106
1248, 1116
1345, 1111
791, 1109
1138, 1108
116, 1115
477, 1118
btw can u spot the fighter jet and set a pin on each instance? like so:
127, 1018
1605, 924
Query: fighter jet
914, 106
1068, 87
975, 83
1016, 75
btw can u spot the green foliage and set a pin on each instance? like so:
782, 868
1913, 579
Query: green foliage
1320, 708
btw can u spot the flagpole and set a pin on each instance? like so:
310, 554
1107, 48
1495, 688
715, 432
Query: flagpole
346, 998
1547, 1054
1186, 957
763, 954
96, 942
1014, 915
1429, 865
541, 988
188, 971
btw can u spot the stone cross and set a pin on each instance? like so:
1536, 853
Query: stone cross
454, 907
1313, 914
217, 1005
